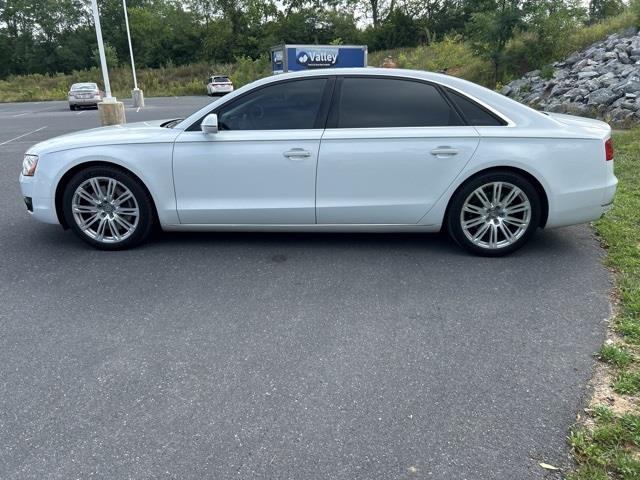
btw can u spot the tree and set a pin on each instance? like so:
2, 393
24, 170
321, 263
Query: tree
491, 29
601, 9
540, 39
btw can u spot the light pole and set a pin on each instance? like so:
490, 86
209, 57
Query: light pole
103, 59
136, 93
111, 111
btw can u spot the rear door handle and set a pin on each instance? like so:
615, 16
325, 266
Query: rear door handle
444, 151
297, 154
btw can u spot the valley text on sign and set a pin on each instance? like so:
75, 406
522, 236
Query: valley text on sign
292, 58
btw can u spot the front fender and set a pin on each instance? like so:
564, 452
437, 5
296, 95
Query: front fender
151, 163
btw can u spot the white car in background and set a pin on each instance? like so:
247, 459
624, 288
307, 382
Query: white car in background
219, 85
84, 95
366, 150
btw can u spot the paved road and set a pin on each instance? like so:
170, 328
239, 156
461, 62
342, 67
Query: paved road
283, 356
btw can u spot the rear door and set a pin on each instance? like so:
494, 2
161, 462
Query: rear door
391, 149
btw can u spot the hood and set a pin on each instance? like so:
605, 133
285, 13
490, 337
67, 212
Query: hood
585, 125
138, 132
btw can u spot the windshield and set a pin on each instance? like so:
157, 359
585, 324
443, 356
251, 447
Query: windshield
84, 86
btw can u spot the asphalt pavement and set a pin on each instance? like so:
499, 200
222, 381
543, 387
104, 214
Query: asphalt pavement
283, 356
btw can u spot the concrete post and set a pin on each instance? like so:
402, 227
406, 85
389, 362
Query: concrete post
138, 97
111, 112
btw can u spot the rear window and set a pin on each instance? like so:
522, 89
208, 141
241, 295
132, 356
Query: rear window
221, 79
84, 86
475, 114
388, 102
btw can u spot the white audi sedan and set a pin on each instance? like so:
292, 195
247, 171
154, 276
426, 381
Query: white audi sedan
363, 150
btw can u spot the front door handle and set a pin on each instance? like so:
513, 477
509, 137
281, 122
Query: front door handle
297, 154
444, 151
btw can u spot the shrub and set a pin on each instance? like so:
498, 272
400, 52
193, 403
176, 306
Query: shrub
452, 55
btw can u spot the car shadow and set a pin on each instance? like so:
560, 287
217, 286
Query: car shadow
545, 243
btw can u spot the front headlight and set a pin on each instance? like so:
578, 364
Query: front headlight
29, 165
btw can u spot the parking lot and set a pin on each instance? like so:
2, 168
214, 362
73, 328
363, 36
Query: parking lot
284, 356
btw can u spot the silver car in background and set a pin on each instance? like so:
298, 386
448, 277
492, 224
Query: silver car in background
84, 95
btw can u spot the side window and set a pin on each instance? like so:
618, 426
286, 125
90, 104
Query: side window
386, 102
474, 114
283, 106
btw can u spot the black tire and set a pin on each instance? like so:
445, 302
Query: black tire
146, 218
72, 107
453, 222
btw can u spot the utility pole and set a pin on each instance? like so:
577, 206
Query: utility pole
136, 93
111, 111
103, 58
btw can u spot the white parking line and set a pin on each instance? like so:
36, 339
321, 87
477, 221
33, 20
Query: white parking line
80, 113
20, 114
23, 135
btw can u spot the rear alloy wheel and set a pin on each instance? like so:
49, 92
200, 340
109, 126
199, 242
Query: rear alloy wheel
108, 208
494, 214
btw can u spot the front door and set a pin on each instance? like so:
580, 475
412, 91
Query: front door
260, 168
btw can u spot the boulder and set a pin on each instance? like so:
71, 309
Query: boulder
623, 57
602, 96
587, 74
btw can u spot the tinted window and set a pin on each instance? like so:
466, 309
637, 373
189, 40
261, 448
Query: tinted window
384, 102
287, 105
221, 79
474, 113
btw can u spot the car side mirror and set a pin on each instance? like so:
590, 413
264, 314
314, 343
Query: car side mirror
210, 124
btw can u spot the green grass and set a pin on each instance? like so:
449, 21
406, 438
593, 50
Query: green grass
620, 230
619, 357
627, 383
610, 449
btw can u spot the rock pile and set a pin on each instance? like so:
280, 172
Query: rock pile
602, 81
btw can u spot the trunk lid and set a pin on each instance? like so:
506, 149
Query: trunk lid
586, 125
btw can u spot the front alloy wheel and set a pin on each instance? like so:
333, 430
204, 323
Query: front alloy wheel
494, 214
105, 210
108, 208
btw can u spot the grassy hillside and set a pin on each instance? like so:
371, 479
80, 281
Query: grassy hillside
451, 54
167, 81
584, 37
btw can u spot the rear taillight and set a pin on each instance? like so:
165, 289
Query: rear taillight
608, 149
